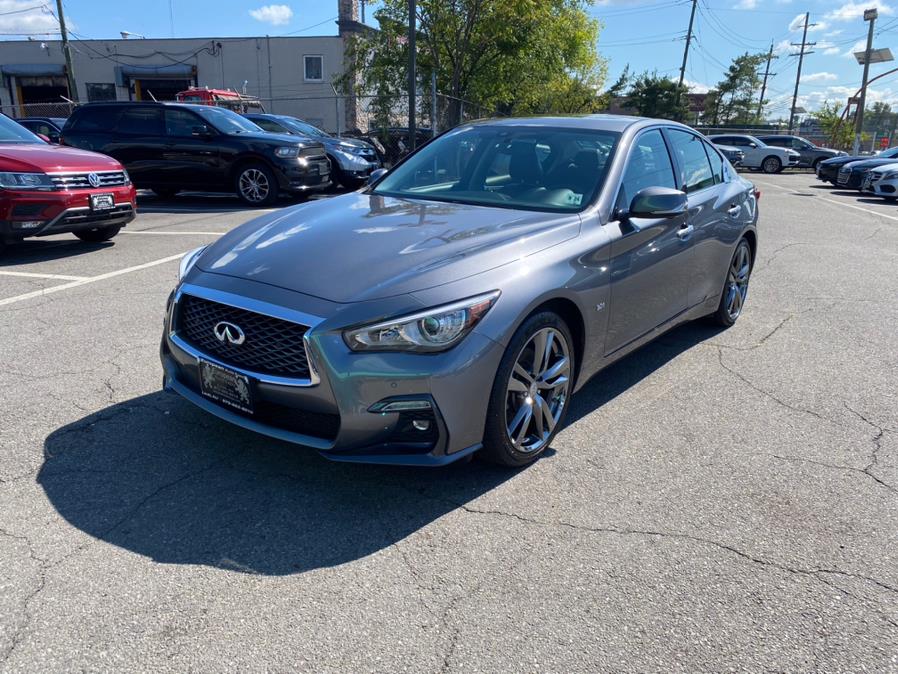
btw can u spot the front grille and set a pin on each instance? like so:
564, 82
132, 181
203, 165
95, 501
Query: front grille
88, 217
844, 176
80, 181
271, 346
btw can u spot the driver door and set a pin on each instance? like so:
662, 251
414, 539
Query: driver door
651, 260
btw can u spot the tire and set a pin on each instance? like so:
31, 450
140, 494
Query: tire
814, 164
516, 390
98, 234
738, 276
165, 192
256, 185
771, 165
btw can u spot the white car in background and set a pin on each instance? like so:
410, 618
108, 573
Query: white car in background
882, 181
759, 155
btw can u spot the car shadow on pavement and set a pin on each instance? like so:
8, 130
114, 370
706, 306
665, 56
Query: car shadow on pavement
159, 477
30, 251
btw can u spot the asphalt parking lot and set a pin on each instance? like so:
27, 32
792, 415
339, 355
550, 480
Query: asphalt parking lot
717, 501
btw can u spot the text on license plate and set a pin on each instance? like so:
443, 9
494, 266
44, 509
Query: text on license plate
101, 202
226, 386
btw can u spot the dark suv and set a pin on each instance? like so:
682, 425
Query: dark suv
169, 147
811, 154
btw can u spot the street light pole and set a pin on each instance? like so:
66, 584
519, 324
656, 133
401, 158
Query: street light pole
869, 15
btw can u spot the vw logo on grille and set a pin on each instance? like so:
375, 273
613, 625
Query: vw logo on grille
229, 333
93, 179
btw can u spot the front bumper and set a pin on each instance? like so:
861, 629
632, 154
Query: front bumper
294, 177
329, 411
850, 180
26, 213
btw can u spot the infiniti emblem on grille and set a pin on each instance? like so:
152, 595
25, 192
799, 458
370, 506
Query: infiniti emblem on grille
228, 332
93, 179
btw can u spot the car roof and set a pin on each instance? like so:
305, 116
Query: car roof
598, 122
171, 104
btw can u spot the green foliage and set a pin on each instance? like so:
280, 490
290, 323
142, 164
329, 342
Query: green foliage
840, 133
654, 96
735, 100
517, 56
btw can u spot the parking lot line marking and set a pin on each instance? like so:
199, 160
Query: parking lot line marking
141, 231
27, 274
837, 203
89, 279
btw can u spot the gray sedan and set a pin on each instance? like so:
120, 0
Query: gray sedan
455, 304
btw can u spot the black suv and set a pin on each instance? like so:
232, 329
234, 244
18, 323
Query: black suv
811, 154
169, 147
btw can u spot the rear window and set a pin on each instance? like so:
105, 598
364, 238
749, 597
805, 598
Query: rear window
100, 118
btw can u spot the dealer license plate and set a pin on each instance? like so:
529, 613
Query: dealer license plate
102, 202
225, 386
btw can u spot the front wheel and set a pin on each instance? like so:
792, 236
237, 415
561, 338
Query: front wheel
256, 185
735, 288
98, 234
529, 398
772, 165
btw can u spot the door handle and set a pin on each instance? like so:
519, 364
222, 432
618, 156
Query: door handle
685, 231
735, 210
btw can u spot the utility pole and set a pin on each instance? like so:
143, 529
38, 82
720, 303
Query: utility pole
412, 131
66, 50
801, 54
869, 15
686, 51
767, 74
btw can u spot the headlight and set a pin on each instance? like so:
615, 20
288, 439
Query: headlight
26, 181
891, 175
188, 261
286, 151
351, 149
433, 330
127, 177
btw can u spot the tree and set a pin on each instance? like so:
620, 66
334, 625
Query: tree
615, 90
517, 56
735, 101
654, 96
840, 132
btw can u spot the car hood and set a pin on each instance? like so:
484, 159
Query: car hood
278, 138
350, 142
41, 157
865, 164
837, 161
362, 246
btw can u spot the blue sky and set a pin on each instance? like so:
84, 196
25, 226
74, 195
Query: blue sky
646, 34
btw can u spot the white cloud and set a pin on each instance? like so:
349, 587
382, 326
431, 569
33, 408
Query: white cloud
831, 51
819, 77
855, 10
860, 45
746, 4
833, 33
696, 87
276, 15
797, 24
15, 19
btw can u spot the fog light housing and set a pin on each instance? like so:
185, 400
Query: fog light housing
421, 424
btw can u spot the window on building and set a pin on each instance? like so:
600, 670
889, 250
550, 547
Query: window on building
100, 91
314, 68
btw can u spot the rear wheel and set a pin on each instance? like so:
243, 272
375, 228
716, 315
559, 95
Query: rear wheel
529, 399
735, 288
772, 165
256, 185
98, 234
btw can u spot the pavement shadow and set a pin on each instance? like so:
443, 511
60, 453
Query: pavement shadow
218, 202
30, 251
159, 477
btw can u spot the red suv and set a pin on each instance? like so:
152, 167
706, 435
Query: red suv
47, 189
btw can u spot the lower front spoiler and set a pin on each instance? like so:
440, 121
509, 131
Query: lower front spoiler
376, 456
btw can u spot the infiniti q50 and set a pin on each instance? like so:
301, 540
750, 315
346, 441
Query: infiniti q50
456, 303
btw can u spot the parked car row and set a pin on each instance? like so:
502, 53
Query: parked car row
876, 175
772, 154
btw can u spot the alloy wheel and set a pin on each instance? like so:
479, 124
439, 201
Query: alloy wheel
253, 185
772, 165
537, 390
737, 282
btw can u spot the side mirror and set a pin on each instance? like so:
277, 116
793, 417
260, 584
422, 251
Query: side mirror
658, 202
376, 175
753, 145
201, 130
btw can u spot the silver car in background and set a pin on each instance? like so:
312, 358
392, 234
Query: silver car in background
456, 304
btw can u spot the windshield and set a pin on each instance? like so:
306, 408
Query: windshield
12, 132
891, 152
303, 127
227, 121
527, 167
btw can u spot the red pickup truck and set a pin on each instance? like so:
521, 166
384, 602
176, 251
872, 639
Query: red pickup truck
48, 189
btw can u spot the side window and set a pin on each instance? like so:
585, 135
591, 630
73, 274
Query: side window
777, 142
143, 121
716, 163
269, 125
695, 168
100, 118
724, 140
180, 122
648, 165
